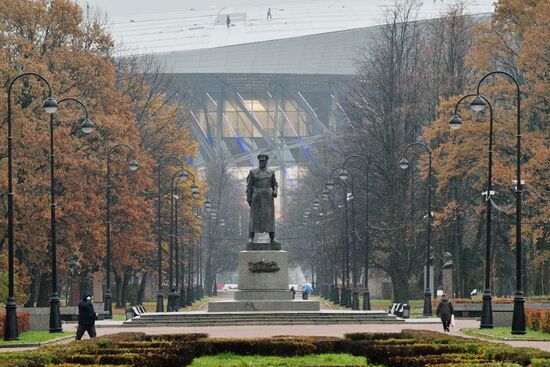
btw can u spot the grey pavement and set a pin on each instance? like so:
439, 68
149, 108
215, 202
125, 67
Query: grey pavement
263, 331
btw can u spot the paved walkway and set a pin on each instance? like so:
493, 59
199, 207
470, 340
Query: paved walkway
262, 331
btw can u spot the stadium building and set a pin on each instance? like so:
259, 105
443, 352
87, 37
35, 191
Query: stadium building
264, 76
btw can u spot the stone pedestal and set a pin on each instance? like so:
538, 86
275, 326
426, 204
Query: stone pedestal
263, 284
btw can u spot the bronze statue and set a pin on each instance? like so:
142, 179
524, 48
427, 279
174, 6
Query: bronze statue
261, 189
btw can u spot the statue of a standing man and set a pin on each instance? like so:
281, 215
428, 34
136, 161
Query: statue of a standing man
261, 189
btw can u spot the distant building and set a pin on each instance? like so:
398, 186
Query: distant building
264, 85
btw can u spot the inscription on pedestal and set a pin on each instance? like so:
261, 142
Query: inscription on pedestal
263, 267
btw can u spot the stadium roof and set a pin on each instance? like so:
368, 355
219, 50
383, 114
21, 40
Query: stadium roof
203, 25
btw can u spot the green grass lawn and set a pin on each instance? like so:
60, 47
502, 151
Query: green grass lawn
505, 332
232, 360
36, 337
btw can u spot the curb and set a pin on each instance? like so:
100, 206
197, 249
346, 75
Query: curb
30, 345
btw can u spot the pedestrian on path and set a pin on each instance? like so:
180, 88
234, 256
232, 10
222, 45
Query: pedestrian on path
86, 317
269, 13
228, 21
445, 311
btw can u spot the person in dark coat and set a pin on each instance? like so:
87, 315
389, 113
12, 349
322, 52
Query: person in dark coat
445, 310
86, 317
173, 299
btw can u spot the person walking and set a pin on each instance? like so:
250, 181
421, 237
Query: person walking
86, 317
228, 21
269, 13
445, 311
173, 299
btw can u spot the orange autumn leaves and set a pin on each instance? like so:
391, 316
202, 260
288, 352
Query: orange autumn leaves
69, 47
517, 40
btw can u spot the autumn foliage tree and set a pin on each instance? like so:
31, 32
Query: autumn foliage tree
70, 48
514, 41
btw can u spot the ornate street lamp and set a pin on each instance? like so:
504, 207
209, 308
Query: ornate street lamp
404, 164
455, 123
345, 296
87, 127
133, 166
366, 162
10, 325
181, 174
160, 294
518, 321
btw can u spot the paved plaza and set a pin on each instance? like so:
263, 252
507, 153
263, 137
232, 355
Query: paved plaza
261, 331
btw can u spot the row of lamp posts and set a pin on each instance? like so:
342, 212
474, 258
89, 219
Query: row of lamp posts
478, 104
86, 126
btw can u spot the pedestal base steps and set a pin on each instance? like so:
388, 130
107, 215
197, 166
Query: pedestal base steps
259, 305
263, 284
202, 318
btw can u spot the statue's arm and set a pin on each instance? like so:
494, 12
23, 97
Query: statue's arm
249, 187
274, 185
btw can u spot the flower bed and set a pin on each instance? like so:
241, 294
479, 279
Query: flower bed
410, 348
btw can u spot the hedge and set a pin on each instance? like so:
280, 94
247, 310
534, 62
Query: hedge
538, 319
23, 323
410, 348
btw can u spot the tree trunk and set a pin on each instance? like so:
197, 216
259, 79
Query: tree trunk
124, 292
118, 292
35, 283
44, 291
141, 290
400, 282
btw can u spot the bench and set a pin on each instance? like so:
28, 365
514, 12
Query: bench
402, 310
135, 311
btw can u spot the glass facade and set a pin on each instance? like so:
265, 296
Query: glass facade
289, 121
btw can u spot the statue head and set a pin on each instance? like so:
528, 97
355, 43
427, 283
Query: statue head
262, 159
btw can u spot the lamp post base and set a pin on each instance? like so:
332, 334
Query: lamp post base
190, 296
160, 301
173, 301
518, 321
108, 304
348, 297
427, 310
10, 325
55, 314
355, 302
366, 300
486, 311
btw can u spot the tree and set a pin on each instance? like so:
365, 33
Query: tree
72, 50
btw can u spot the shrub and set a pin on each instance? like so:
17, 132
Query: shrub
483, 364
538, 319
124, 336
540, 362
81, 359
174, 337
373, 336
523, 356
23, 322
268, 347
